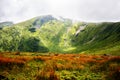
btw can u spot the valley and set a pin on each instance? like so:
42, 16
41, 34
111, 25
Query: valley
49, 34
48, 48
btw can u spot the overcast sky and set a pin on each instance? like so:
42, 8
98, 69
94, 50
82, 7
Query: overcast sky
83, 10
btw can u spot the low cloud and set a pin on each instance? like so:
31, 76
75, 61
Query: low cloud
83, 10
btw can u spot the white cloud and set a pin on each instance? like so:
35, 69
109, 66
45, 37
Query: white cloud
84, 10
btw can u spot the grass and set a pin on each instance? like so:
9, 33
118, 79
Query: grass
53, 66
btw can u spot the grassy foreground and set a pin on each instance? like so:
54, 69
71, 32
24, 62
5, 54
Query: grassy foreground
51, 66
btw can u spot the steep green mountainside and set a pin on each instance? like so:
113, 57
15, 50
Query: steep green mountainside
49, 34
25, 36
104, 37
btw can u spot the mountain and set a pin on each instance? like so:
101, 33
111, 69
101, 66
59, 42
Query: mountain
50, 34
43, 19
100, 37
3, 24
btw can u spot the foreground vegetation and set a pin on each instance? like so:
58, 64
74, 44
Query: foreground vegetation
52, 66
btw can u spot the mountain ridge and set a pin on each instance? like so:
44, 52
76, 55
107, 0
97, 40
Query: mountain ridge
49, 34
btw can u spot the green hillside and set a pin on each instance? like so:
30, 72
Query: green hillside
101, 37
49, 34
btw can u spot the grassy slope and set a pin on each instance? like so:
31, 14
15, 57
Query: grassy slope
19, 38
95, 38
51, 35
99, 37
60, 36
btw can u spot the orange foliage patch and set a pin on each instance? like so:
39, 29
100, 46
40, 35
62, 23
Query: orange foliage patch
4, 61
68, 62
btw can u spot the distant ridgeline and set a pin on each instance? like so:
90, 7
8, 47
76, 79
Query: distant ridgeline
4, 24
50, 34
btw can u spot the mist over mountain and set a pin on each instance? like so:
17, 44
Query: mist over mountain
60, 35
3, 24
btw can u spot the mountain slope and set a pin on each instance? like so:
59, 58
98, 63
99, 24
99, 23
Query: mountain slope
97, 37
49, 34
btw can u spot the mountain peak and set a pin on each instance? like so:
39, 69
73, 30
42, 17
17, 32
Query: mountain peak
43, 19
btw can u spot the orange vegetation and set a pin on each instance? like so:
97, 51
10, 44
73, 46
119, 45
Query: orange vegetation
67, 62
9, 62
60, 61
79, 62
